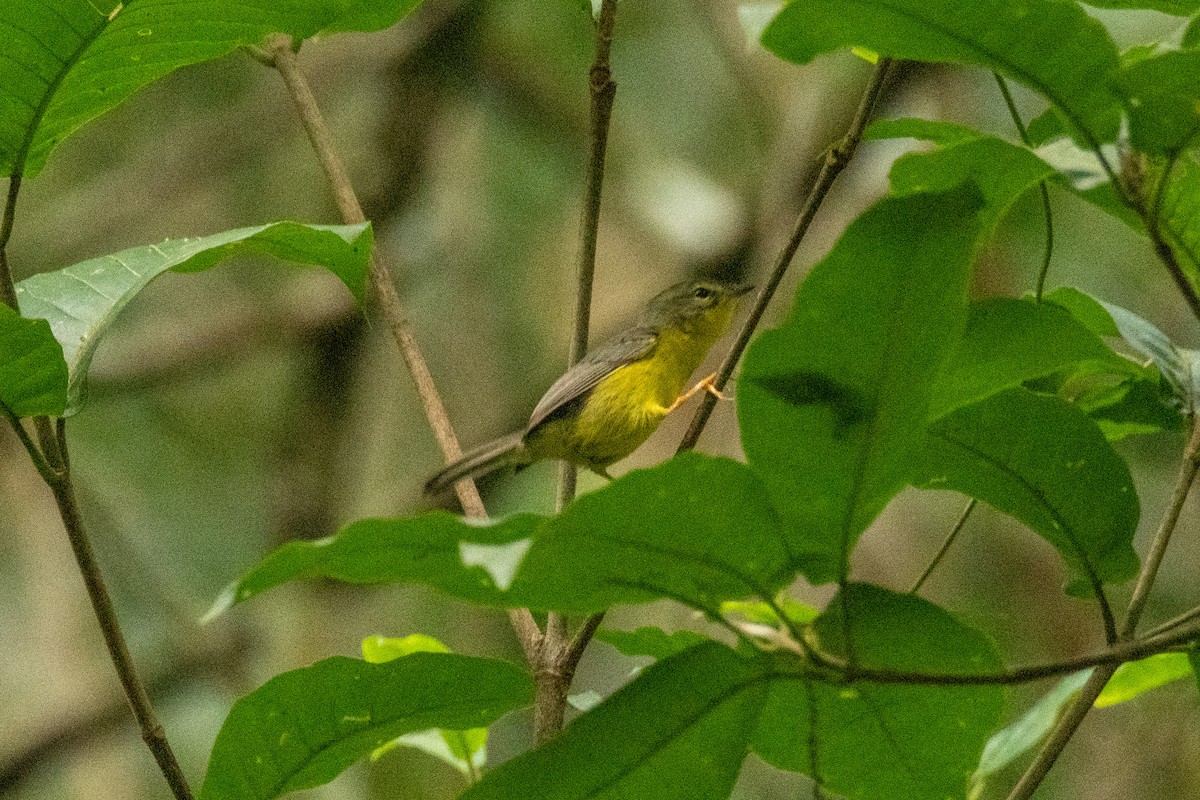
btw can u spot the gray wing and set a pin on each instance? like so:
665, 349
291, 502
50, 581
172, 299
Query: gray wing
580, 379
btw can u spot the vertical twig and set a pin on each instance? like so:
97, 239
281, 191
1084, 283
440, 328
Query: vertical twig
53, 466
560, 655
8, 289
114, 640
835, 161
1078, 709
284, 59
1045, 192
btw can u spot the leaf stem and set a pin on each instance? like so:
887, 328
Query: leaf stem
1073, 717
389, 302
836, 160
945, 548
560, 656
1045, 192
8, 289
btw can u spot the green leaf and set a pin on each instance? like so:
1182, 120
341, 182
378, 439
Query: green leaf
652, 534
1162, 95
1003, 171
871, 741
367, 15
1009, 744
463, 750
833, 403
1191, 36
1180, 214
1137, 677
82, 300
1107, 319
33, 374
678, 732
69, 61
1043, 461
1179, 8
760, 612
926, 130
1008, 342
1132, 406
304, 727
1009, 38
424, 549
697, 529
381, 649
653, 642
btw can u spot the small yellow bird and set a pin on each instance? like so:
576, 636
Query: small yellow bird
602, 408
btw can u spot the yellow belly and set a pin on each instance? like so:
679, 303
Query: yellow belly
624, 408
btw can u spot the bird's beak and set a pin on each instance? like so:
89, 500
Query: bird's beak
742, 289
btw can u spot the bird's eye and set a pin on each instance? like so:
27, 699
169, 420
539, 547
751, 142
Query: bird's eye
702, 293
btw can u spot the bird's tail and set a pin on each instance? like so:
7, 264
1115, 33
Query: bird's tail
496, 454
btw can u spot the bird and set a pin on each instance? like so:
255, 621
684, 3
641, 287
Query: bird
605, 406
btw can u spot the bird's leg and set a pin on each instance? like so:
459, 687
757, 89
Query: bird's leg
708, 384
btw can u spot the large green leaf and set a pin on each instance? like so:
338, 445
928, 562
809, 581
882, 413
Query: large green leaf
1008, 342
833, 403
1003, 171
678, 732
873, 741
1007, 37
1043, 461
1162, 94
304, 727
82, 300
424, 549
33, 374
67, 62
696, 529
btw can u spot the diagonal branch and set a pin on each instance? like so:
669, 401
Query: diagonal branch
388, 300
836, 160
560, 654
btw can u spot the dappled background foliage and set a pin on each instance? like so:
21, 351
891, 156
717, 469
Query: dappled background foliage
244, 407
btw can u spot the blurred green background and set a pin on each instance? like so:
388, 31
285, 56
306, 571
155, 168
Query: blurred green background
250, 405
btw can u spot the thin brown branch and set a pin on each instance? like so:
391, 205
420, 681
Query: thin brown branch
389, 302
1074, 715
560, 656
835, 161
35, 455
135, 691
945, 548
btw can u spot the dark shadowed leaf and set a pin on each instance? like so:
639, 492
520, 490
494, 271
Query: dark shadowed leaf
304, 727
82, 300
871, 741
1043, 461
69, 61
1008, 342
1000, 35
678, 732
833, 403
1162, 95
